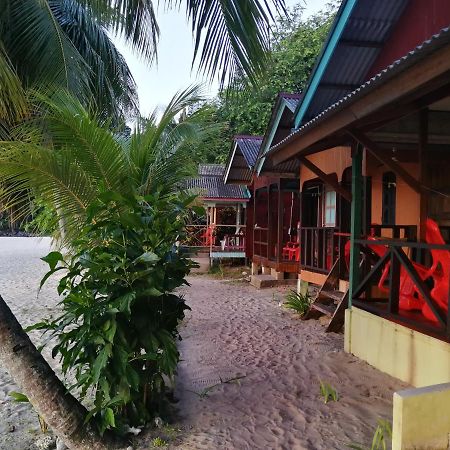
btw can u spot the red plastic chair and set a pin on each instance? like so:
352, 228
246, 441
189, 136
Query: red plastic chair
291, 251
439, 271
208, 236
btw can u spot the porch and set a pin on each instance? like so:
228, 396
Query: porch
276, 248
396, 126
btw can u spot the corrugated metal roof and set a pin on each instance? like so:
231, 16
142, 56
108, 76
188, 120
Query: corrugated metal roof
211, 169
213, 187
210, 184
426, 48
367, 28
249, 146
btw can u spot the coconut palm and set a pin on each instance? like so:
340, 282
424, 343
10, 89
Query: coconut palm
65, 43
85, 155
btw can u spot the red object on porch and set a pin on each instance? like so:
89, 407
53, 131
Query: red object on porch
208, 236
409, 296
291, 251
439, 271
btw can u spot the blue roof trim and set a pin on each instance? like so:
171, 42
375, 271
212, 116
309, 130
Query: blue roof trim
290, 102
338, 27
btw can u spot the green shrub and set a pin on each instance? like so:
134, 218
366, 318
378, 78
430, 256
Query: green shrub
158, 442
44, 220
298, 302
118, 330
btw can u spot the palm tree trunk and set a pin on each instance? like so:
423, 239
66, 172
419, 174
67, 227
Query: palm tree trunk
62, 412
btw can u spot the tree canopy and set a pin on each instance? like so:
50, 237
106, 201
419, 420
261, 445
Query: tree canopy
243, 109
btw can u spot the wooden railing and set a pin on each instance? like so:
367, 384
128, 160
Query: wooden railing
320, 247
261, 242
224, 237
404, 278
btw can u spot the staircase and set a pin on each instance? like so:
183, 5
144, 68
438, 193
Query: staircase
330, 302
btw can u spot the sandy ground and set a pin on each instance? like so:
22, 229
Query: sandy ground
232, 331
20, 273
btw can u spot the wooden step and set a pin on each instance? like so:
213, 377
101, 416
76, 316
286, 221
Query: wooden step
334, 295
324, 309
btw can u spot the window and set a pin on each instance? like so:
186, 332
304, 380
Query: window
330, 209
389, 197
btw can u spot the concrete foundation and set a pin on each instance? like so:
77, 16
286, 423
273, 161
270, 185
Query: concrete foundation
421, 419
409, 355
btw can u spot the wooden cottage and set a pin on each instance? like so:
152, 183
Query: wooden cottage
275, 199
379, 102
222, 230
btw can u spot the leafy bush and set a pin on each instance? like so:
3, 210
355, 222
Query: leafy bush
298, 302
44, 220
118, 329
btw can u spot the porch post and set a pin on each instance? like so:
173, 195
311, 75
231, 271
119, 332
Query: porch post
356, 218
423, 141
280, 223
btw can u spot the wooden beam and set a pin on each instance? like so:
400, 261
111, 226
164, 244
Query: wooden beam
327, 179
379, 154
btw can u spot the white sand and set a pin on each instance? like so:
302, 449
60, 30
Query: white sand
233, 330
20, 273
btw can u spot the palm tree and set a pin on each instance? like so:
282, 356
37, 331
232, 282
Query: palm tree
65, 44
86, 154
85, 157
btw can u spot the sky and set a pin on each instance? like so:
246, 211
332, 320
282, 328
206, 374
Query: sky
158, 83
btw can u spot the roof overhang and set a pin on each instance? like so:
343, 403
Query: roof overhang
280, 123
418, 80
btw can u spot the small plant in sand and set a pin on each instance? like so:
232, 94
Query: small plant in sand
298, 302
328, 392
216, 270
381, 437
158, 442
22, 398
205, 392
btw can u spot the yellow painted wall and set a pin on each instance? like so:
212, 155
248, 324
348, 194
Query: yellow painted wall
407, 208
413, 357
421, 418
335, 160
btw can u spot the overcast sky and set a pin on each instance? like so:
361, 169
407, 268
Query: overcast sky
157, 84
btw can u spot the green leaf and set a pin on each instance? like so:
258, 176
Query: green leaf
52, 259
124, 302
109, 418
147, 357
19, 397
100, 363
148, 257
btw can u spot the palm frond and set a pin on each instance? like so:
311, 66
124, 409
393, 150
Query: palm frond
231, 36
40, 50
76, 133
13, 105
135, 20
111, 81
